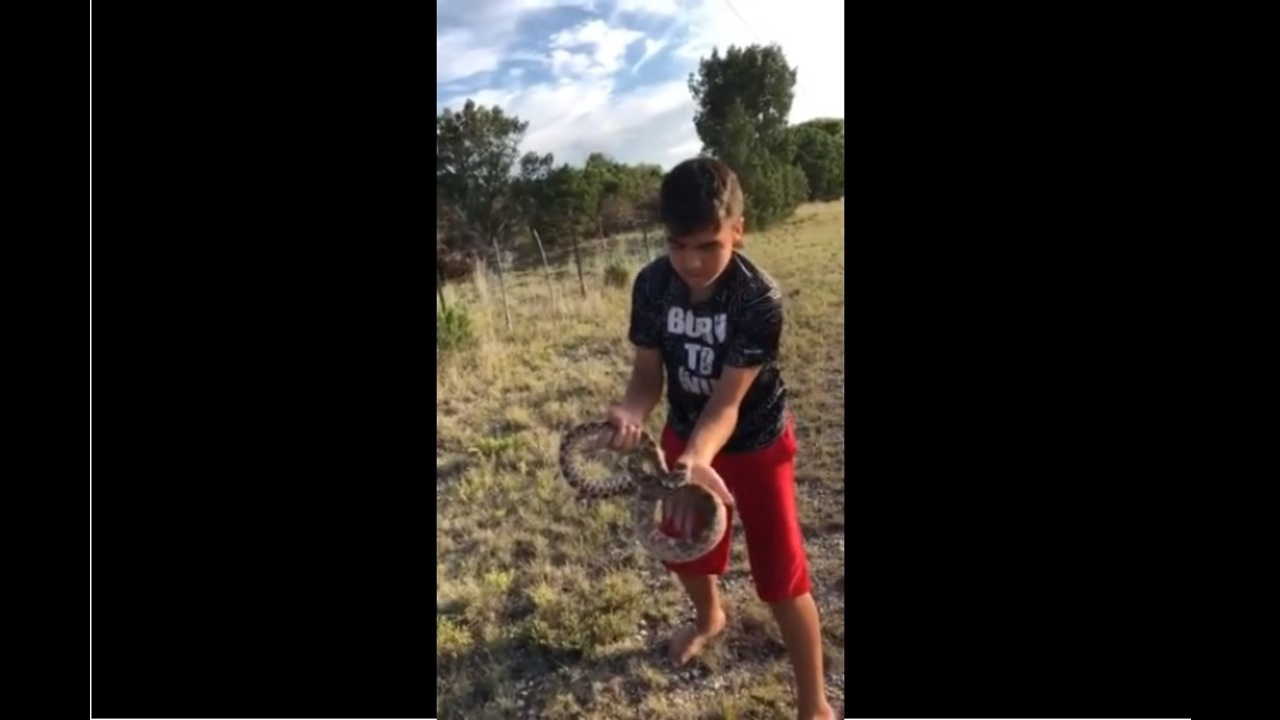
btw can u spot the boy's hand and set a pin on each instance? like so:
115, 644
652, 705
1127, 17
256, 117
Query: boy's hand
703, 474
628, 427
681, 516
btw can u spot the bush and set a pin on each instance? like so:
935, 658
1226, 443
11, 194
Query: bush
617, 275
453, 329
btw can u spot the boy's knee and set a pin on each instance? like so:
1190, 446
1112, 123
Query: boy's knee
784, 592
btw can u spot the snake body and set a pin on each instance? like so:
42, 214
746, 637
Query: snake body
647, 476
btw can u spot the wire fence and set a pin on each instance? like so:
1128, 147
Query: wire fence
554, 269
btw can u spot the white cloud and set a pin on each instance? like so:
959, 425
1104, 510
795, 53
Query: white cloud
651, 47
460, 54
591, 104
479, 34
648, 7
607, 48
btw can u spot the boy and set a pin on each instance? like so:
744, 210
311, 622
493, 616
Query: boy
711, 320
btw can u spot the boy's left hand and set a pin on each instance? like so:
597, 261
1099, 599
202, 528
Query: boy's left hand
681, 515
703, 474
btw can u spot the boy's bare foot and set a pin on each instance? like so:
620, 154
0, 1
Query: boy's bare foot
689, 641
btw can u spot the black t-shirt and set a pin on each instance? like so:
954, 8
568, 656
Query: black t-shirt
739, 325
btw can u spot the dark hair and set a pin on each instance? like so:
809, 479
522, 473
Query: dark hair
699, 195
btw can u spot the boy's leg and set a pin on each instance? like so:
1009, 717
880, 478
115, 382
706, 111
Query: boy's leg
764, 490
699, 579
704, 591
797, 619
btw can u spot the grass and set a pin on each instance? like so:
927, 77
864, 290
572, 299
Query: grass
548, 608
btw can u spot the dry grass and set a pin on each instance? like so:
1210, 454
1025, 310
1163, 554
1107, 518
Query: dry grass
547, 608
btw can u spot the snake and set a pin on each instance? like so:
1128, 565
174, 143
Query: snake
646, 476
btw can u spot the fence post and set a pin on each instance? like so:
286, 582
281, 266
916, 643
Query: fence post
577, 259
546, 269
502, 284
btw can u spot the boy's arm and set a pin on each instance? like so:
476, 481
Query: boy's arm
719, 416
757, 332
644, 389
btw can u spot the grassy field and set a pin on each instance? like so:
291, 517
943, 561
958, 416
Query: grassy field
548, 608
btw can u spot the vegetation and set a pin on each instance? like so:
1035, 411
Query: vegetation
493, 202
546, 607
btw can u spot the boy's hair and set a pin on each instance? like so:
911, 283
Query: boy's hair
699, 195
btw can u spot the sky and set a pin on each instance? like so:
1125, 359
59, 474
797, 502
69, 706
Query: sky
612, 75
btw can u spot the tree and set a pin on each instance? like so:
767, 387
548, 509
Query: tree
489, 196
646, 181
476, 150
820, 154
831, 126
743, 99
600, 184
530, 188
758, 78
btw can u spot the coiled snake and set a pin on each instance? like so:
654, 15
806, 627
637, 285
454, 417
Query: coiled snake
645, 474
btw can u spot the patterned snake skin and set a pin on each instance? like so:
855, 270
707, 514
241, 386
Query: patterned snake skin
647, 476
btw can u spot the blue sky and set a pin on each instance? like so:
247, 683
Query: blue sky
612, 75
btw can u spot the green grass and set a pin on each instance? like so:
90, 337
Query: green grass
546, 607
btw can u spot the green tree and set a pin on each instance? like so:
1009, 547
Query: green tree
820, 154
743, 99
569, 210
640, 193
531, 189
601, 185
757, 77
831, 126
476, 151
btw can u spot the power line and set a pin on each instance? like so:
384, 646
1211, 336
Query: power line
744, 22
753, 32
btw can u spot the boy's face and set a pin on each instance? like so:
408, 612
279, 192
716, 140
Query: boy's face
700, 257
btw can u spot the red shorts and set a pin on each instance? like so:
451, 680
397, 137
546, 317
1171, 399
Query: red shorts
763, 486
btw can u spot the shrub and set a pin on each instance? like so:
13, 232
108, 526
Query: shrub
453, 328
617, 275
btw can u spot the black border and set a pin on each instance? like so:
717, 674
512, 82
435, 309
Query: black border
258, 217
1015, 545
262, 402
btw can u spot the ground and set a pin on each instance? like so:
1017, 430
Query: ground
548, 608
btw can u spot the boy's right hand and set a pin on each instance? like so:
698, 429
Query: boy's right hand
628, 427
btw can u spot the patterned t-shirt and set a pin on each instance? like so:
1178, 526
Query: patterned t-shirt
740, 325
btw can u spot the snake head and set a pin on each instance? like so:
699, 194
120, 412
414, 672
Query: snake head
639, 463
678, 477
